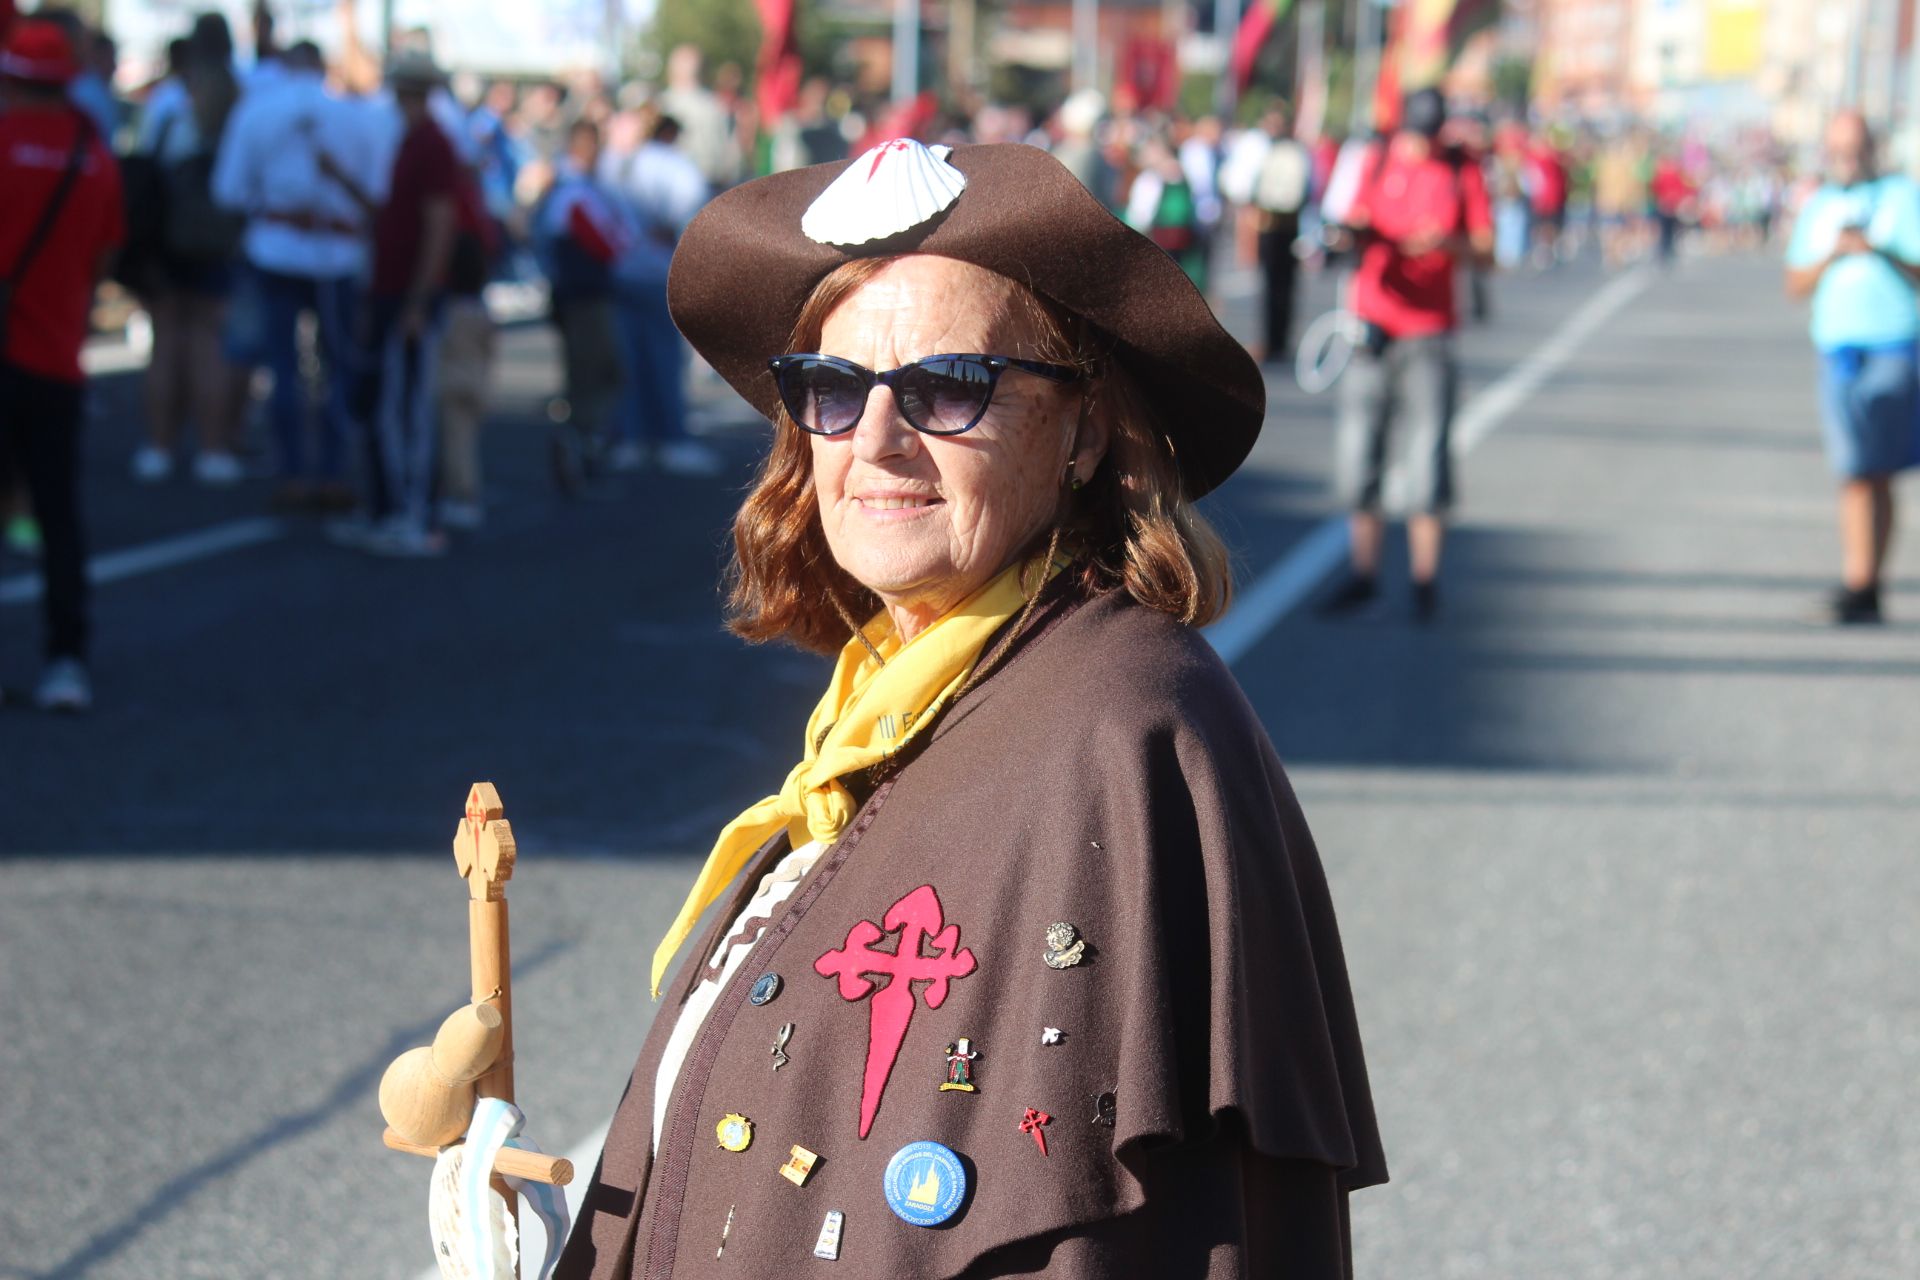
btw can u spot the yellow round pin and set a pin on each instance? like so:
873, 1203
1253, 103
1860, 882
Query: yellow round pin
735, 1131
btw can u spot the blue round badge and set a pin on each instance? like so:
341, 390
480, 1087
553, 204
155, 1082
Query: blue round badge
925, 1184
765, 988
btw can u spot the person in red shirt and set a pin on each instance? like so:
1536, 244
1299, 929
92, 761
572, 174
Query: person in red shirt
1671, 195
60, 222
1418, 213
1549, 200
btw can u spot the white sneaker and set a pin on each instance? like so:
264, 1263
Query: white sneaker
691, 458
627, 457
64, 686
151, 464
407, 542
217, 469
458, 514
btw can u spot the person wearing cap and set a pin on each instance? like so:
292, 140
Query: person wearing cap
1419, 212
1033, 814
60, 223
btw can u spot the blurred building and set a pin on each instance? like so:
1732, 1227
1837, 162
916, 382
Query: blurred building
1722, 67
1583, 65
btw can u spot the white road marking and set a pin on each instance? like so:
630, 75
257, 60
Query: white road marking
24, 588
1263, 602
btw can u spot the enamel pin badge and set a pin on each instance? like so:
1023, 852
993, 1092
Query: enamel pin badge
925, 1184
780, 1058
799, 1166
1032, 1123
735, 1131
828, 1245
960, 1056
1065, 947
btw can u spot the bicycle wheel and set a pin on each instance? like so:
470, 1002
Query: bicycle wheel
1324, 350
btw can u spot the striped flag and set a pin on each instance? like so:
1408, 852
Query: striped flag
1432, 33
1423, 39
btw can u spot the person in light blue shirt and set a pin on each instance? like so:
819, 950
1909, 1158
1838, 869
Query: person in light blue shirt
661, 188
1856, 253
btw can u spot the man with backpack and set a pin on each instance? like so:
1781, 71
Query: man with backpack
60, 223
1417, 214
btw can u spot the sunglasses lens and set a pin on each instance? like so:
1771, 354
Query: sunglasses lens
820, 397
945, 397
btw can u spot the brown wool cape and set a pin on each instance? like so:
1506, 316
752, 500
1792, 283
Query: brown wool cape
1108, 772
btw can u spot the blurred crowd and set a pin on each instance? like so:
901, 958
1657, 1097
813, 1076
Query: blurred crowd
323, 244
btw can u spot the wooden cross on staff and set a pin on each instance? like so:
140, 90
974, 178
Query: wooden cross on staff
428, 1094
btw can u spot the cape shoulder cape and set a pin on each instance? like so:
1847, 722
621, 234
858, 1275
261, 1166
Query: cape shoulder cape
1208, 1098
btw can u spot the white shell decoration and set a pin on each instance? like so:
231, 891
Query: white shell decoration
455, 1241
895, 187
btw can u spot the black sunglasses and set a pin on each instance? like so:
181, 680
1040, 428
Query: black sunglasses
940, 395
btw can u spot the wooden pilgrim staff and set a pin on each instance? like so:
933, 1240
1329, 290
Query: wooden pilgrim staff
428, 1094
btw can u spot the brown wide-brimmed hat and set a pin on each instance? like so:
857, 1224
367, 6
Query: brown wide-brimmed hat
745, 268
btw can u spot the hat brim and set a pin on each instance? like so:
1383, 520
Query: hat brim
744, 270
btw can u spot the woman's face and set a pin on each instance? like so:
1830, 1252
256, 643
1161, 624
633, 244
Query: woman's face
920, 520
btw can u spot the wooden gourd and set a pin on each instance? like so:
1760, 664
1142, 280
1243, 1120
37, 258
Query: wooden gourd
427, 1094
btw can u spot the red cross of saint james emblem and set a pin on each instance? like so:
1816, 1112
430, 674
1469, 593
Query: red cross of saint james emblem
929, 953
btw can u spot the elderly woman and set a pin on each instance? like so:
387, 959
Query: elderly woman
1029, 967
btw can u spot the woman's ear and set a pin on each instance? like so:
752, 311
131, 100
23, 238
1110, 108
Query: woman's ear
1093, 434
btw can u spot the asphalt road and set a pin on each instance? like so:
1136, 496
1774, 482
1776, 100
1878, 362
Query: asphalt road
1623, 848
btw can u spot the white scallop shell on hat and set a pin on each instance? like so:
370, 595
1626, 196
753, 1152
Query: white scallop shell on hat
895, 187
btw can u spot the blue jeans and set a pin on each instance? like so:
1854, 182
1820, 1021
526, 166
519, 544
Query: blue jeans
654, 405
333, 302
399, 404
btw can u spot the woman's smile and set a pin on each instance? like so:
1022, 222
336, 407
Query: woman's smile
888, 508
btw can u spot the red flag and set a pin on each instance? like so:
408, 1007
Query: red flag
1256, 24
908, 120
777, 73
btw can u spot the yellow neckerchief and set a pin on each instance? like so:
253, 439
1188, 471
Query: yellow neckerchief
869, 711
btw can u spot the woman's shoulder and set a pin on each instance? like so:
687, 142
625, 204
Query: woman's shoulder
1129, 666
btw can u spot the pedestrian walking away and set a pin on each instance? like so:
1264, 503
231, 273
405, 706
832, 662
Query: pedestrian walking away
1855, 253
59, 226
988, 439
1418, 213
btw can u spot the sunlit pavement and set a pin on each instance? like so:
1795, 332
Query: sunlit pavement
1622, 846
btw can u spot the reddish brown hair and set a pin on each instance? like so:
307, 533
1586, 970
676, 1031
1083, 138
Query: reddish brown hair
1131, 526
